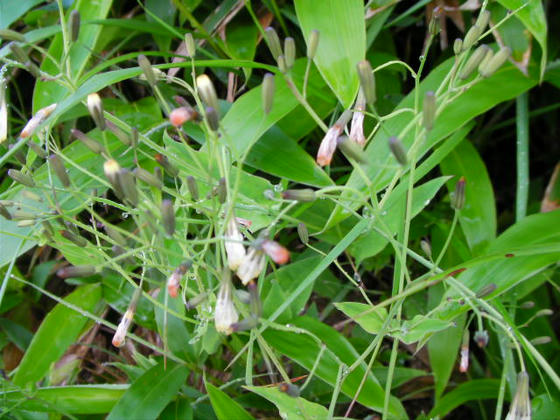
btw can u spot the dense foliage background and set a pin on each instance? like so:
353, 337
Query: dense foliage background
195, 223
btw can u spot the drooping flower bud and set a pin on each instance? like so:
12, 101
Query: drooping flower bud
212, 118
352, 150
195, 301
458, 199
207, 91
268, 92
474, 60
225, 314
115, 235
482, 20
367, 81
527, 305
95, 108
111, 168
91, 144
486, 290
174, 280
128, 186
481, 338
190, 45
74, 25
235, 250
60, 171
147, 69
252, 265
72, 237
457, 46
426, 247
429, 110
282, 64
539, 341
276, 252
36, 120
303, 195
495, 62
121, 135
148, 178
24, 179
222, 190
289, 52
471, 37
122, 329
168, 217
273, 42
357, 125
192, 187
398, 150
329, 142
303, 233
464, 363
164, 162
181, 115
312, 44
290, 389
4, 212
487, 58
520, 408
76, 271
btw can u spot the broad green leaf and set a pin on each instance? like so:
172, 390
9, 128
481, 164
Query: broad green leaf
77, 399
478, 217
372, 322
148, 395
225, 407
420, 327
10, 11
291, 408
304, 350
342, 41
49, 92
16, 333
60, 328
533, 17
472, 390
241, 42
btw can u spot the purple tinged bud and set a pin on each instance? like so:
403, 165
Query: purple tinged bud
74, 25
148, 178
367, 81
398, 150
24, 179
273, 42
302, 195
72, 237
77, 271
146, 67
303, 233
91, 144
168, 217
58, 168
192, 187
486, 290
458, 198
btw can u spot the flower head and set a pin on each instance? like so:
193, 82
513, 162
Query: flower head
520, 408
251, 265
225, 314
357, 125
234, 247
120, 334
276, 252
328, 144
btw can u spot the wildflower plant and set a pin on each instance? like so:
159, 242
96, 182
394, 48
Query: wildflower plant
238, 208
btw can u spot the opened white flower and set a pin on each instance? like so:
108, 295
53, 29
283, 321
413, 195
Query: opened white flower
234, 247
36, 120
252, 265
520, 408
357, 126
120, 335
225, 315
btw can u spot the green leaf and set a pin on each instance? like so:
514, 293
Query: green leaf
225, 407
478, 217
60, 328
533, 17
372, 322
148, 395
16, 333
473, 390
419, 327
291, 408
241, 42
342, 41
12, 11
77, 399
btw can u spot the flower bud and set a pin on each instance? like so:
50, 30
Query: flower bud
429, 110
146, 67
207, 91
37, 149
164, 162
148, 178
471, 37
290, 389
255, 303
289, 52
282, 64
276, 252
351, 149
192, 187
10, 35
190, 45
23, 215
329, 142
367, 81
74, 25
222, 190
464, 363
482, 20
95, 108
303, 233
121, 135
168, 217
195, 301
474, 60
251, 266
181, 115
115, 235
91, 144
111, 168
527, 305
426, 247
543, 312
225, 314
235, 250
520, 408
76, 271
268, 92
24, 179
312, 44
5, 213
246, 324
58, 168
36, 120
72, 237
173, 283
481, 338
434, 26
128, 186
398, 150
120, 334
487, 58
538, 341
457, 46
486, 290
133, 136
212, 118
26, 223
302, 195
273, 42
495, 62
458, 199
357, 125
